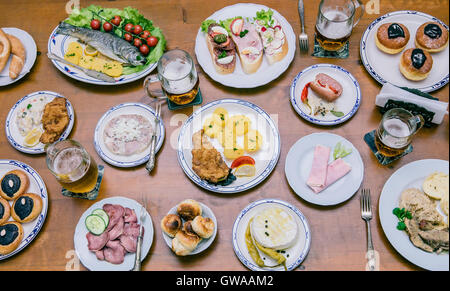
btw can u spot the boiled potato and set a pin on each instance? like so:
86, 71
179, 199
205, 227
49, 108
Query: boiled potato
113, 69
233, 153
86, 62
222, 113
229, 136
98, 64
241, 123
252, 141
436, 185
444, 204
74, 52
212, 126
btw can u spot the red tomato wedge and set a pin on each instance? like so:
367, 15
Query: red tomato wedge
236, 26
244, 160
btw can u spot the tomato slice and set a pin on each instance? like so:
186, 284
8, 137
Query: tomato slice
242, 161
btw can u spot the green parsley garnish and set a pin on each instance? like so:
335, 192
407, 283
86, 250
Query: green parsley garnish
401, 215
243, 33
222, 55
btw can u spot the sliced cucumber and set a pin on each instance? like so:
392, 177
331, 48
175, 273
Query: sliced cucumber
95, 224
102, 213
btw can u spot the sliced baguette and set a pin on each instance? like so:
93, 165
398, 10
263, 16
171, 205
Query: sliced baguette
224, 70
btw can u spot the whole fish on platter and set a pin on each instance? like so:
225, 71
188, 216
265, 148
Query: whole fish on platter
106, 43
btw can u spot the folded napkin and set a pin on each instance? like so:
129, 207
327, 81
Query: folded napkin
432, 110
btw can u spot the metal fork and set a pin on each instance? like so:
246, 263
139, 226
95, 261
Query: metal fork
303, 37
142, 216
151, 161
366, 215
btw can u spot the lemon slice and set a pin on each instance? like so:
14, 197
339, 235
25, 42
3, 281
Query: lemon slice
90, 51
32, 138
245, 171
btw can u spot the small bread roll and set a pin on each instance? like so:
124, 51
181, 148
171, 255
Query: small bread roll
13, 184
5, 211
189, 209
432, 37
171, 224
203, 226
415, 70
18, 56
11, 235
184, 243
187, 227
26, 207
5, 49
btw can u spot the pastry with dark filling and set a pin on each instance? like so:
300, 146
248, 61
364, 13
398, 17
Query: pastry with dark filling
26, 207
416, 64
392, 38
432, 37
11, 234
5, 212
13, 184
171, 224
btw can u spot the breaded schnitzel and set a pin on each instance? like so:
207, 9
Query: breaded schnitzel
54, 120
207, 162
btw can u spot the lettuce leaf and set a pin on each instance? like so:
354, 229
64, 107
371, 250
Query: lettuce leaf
206, 24
265, 17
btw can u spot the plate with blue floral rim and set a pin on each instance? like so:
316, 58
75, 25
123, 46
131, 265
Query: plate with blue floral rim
13, 134
385, 67
294, 255
36, 186
58, 43
265, 158
411, 175
137, 158
31, 53
344, 107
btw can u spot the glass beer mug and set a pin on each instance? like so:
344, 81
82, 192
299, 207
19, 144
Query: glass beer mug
396, 130
177, 77
335, 23
72, 166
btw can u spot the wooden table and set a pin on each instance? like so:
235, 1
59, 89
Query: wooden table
338, 233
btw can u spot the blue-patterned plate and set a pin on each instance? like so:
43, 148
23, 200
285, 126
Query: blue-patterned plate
37, 186
136, 159
58, 43
385, 67
266, 158
294, 255
348, 103
12, 132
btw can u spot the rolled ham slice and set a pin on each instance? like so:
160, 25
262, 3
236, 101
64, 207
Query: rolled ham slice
318, 173
336, 170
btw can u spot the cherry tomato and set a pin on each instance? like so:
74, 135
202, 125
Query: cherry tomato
129, 27
145, 34
107, 26
128, 37
137, 42
152, 41
116, 20
137, 29
95, 24
144, 49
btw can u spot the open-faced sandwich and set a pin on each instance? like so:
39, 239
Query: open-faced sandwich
248, 43
221, 48
273, 37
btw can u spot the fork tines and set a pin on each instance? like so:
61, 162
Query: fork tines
366, 208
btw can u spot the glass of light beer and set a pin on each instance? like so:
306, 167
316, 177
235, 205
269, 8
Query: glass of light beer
396, 131
335, 23
72, 166
177, 77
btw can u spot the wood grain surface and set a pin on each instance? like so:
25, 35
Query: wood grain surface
338, 233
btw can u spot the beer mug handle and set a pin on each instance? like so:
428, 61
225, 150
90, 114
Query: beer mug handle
358, 4
418, 121
152, 88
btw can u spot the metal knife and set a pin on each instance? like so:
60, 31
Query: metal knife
91, 73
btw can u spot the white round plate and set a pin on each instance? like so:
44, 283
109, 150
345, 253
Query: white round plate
266, 158
31, 53
410, 175
297, 253
58, 43
88, 258
37, 186
298, 164
385, 67
238, 79
12, 132
136, 159
348, 103
204, 243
